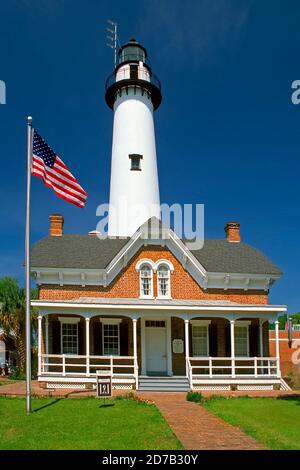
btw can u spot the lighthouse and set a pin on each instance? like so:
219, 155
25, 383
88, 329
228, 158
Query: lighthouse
133, 92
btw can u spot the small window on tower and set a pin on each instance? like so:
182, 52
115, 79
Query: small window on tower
135, 162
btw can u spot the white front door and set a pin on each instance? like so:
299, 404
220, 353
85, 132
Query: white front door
156, 350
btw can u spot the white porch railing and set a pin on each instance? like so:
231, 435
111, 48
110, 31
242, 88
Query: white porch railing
70, 365
226, 367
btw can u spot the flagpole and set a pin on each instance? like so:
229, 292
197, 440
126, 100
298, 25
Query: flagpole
27, 268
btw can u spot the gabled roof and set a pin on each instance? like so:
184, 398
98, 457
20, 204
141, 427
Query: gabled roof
90, 252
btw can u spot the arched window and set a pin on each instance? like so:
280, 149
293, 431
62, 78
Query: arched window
163, 280
146, 284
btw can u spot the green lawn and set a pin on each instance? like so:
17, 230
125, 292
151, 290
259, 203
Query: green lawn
273, 422
83, 423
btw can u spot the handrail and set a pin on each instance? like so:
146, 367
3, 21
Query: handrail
83, 356
228, 358
256, 366
142, 75
66, 363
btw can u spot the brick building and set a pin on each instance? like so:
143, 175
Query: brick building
140, 302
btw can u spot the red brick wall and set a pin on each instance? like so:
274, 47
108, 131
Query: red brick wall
126, 284
285, 351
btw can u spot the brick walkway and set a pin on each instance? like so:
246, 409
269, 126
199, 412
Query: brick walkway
196, 428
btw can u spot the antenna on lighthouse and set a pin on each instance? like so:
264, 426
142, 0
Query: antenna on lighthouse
112, 37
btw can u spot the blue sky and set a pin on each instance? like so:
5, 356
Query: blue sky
227, 131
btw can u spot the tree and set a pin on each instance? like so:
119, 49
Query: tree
296, 318
283, 319
12, 314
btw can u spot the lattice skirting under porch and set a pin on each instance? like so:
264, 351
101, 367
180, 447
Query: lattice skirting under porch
54, 385
75, 386
255, 387
211, 387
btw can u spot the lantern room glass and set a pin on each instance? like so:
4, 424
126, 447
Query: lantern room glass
132, 53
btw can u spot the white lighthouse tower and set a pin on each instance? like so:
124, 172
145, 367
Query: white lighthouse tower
133, 92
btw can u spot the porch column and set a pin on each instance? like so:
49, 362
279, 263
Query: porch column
232, 322
40, 318
277, 348
261, 343
135, 360
87, 345
47, 340
187, 344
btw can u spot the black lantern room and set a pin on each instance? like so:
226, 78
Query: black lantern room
133, 70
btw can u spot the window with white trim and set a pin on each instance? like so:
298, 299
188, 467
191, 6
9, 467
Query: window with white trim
200, 340
146, 276
111, 339
163, 279
241, 340
69, 338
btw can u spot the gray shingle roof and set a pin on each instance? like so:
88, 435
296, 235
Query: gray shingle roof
89, 252
75, 251
225, 257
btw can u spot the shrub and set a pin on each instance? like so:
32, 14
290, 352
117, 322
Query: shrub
196, 397
217, 397
293, 380
16, 374
126, 396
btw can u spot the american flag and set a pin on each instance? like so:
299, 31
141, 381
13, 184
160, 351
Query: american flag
47, 165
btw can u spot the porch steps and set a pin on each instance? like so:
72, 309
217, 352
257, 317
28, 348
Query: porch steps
163, 384
284, 385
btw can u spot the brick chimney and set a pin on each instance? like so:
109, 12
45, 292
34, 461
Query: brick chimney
56, 225
232, 230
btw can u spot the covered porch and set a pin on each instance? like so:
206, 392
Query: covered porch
198, 347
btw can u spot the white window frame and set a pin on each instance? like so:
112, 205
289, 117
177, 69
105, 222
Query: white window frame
242, 324
206, 324
168, 295
110, 321
68, 321
142, 295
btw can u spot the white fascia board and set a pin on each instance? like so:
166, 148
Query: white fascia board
136, 236
244, 281
243, 275
206, 308
187, 253
136, 242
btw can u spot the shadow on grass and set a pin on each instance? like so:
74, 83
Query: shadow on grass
47, 405
106, 405
295, 398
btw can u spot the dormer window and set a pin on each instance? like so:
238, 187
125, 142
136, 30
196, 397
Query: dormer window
163, 279
135, 161
146, 284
